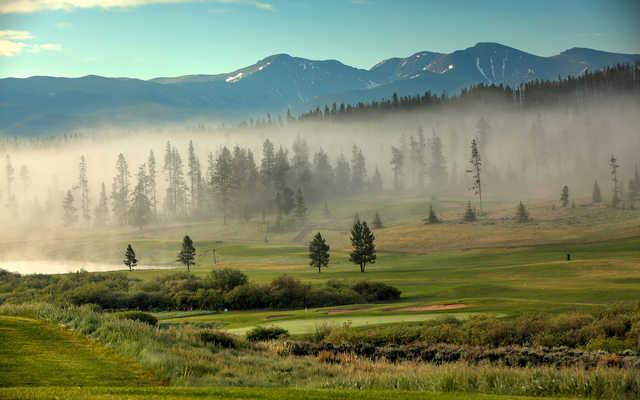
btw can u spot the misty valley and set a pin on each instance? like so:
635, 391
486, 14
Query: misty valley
459, 223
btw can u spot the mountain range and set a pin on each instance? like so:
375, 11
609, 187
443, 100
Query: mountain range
40, 104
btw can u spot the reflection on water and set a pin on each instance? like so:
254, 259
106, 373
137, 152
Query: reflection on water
61, 267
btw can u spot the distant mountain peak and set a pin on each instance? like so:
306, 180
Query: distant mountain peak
277, 83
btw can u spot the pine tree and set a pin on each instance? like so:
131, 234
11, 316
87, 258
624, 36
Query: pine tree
432, 218
632, 194
377, 221
596, 197
564, 196
195, 178
616, 197
376, 182
300, 207
187, 255
397, 164
323, 177
363, 244
267, 165
469, 214
343, 175
300, 165
152, 187
438, 165
83, 185
286, 201
475, 170
223, 183
69, 211
101, 213
319, 252
130, 259
281, 169
176, 198
120, 191
140, 213
522, 215
358, 170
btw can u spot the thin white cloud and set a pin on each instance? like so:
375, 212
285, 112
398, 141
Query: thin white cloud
12, 44
262, 5
15, 35
30, 6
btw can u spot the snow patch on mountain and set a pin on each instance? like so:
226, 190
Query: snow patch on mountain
234, 78
479, 68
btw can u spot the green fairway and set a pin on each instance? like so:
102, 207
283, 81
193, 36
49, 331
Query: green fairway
35, 353
174, 393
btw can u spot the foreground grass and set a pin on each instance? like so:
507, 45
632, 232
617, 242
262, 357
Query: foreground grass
41, 354
179, 355
100, 393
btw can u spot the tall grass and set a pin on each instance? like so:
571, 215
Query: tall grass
180, 356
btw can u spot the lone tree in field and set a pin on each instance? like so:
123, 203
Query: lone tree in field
377, 221
474, 170
432, 218
522, 215
319, 252
364, 248
130, 259
69, 211
613, 164
187, 255
596, 197
469, 214
564, 196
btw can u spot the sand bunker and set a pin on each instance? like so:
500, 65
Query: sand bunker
433, 307
341, 311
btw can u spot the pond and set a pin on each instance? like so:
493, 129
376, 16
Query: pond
27, 267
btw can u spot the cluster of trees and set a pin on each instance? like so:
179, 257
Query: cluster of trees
419, 159
362, 242
232, 185
221, 289
618, 196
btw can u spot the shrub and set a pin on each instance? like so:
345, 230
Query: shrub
218, 338
247, 296
226, 279
140, 316
262, 333
376, 291
288, 292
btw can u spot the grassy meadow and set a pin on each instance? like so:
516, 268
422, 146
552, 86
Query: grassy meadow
494, 267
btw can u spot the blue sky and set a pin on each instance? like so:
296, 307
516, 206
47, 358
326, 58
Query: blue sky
150, 38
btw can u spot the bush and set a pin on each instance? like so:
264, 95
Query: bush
218, 338
247, 296
261, 333
140, 316
226, 279
288, 292
376, 291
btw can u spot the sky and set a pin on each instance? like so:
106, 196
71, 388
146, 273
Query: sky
151, 38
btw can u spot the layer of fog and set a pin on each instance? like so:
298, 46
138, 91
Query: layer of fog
528, 155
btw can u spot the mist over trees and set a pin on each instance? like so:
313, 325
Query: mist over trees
287, 172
